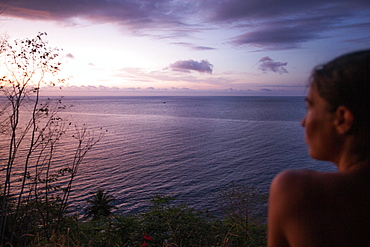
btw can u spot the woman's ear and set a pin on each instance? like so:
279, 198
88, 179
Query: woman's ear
344, 119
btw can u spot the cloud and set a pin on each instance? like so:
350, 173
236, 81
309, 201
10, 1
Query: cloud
172, 91
240, 10
267, 64
187, 65
276, 25
266, 89
69, 55
265, 24
136, 16
194, 47
280, 37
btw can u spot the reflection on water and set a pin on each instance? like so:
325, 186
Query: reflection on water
191, 146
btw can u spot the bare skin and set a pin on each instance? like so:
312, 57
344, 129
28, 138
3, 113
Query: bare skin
308, 208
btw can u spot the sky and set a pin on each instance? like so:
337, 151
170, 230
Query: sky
190, 47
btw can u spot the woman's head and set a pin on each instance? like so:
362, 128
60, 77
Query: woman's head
346, 81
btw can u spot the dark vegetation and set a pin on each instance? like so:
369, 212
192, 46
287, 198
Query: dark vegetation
35, 183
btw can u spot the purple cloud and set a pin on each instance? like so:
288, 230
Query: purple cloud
266, 24
279, 37
187, 65
267, 64
69, 55
193, 47
276, 25
240, 10
130, 14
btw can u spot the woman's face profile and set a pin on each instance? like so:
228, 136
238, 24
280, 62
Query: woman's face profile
320, 132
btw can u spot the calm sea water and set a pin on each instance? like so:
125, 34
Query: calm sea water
190, 147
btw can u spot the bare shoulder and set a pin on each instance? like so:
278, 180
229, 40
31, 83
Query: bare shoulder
297, 175
302, 190
293, 183
319, 209
308, 185
293, 207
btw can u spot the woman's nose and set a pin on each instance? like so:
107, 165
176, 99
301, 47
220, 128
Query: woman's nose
303, 122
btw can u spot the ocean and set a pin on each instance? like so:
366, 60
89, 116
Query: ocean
187, 147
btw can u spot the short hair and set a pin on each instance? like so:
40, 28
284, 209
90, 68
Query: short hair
346, 81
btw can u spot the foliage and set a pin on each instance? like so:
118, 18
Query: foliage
100, 205
179, 224
244, 209
129, 229
35, 189
167, 223
164, 224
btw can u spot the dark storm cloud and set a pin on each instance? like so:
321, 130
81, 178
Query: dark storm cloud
268, 64
268, 24
187, 65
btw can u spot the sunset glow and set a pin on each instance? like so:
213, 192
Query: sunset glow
220, 47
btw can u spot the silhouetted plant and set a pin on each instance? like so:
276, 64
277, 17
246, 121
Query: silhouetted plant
34, 198
100, 205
